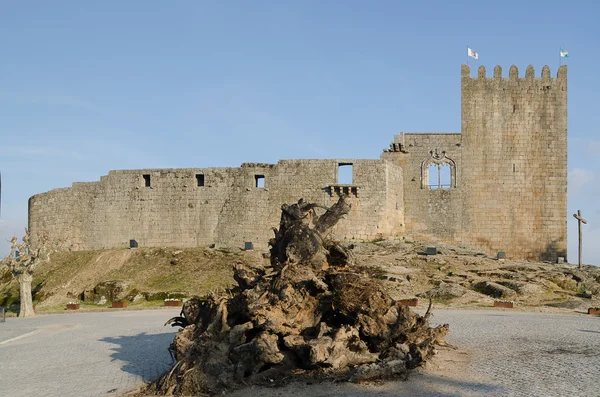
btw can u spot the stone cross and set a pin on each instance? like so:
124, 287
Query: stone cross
579, 220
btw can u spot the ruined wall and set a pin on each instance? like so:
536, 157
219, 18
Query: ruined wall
507, 189
228, 209
432, 214
515, 161
376, 188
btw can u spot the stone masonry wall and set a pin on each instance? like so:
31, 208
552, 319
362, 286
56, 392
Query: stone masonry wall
509, 185
229, 209
507, 191
432, 214
515, 162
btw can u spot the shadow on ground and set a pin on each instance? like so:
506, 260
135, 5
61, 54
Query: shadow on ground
144, 355
417, 385
430, 385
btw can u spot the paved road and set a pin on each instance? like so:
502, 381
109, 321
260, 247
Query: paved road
512, 354
527, 354
83, 354
103, 354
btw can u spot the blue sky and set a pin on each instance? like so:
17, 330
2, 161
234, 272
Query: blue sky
88, 87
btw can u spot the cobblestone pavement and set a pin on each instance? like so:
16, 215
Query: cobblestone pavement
83, 354
104, 354
511, 354
529, 354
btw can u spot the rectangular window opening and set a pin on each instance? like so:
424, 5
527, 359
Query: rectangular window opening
147, 180
345, 173
260, 181
200, 179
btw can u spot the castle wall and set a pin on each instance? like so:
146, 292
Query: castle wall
509, 179
507, 189
229, 209
431, 214
515, 162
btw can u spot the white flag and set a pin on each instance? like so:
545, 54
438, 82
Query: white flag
472, 53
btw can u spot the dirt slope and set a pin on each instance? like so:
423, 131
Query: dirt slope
153, 271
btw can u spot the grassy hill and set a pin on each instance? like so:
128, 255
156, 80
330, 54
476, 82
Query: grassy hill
149, 272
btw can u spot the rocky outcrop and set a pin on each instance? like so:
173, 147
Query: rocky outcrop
445, 291
494, 290
112, 290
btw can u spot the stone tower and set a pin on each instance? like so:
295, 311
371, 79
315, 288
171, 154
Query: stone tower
514, 139
506, 188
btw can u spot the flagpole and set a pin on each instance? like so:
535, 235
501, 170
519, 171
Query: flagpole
467, 55
559, 58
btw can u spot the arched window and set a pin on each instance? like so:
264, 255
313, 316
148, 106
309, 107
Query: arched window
438, 171
440, 176
445, 176
433, 176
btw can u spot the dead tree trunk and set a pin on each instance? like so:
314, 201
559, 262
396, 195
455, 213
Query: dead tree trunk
302, 233
26, 308
22, 261
309, 315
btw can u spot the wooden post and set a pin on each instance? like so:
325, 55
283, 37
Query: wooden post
579, 220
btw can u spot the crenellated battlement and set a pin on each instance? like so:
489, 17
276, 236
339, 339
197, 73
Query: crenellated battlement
513, 73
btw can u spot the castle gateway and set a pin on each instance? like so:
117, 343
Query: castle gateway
500, 184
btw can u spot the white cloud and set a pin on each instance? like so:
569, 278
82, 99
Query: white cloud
91, 151
54, 100
578, 179
35, 152
585, 147
73, 101
316, 149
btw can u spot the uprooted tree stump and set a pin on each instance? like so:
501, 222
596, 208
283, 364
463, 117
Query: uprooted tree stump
310, 314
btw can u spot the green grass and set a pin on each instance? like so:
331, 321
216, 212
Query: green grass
443, 299
196, 270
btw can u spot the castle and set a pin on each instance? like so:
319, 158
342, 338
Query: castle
500, 184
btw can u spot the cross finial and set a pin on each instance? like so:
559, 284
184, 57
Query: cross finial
579, 221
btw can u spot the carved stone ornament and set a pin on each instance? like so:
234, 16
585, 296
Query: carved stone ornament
437, 155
